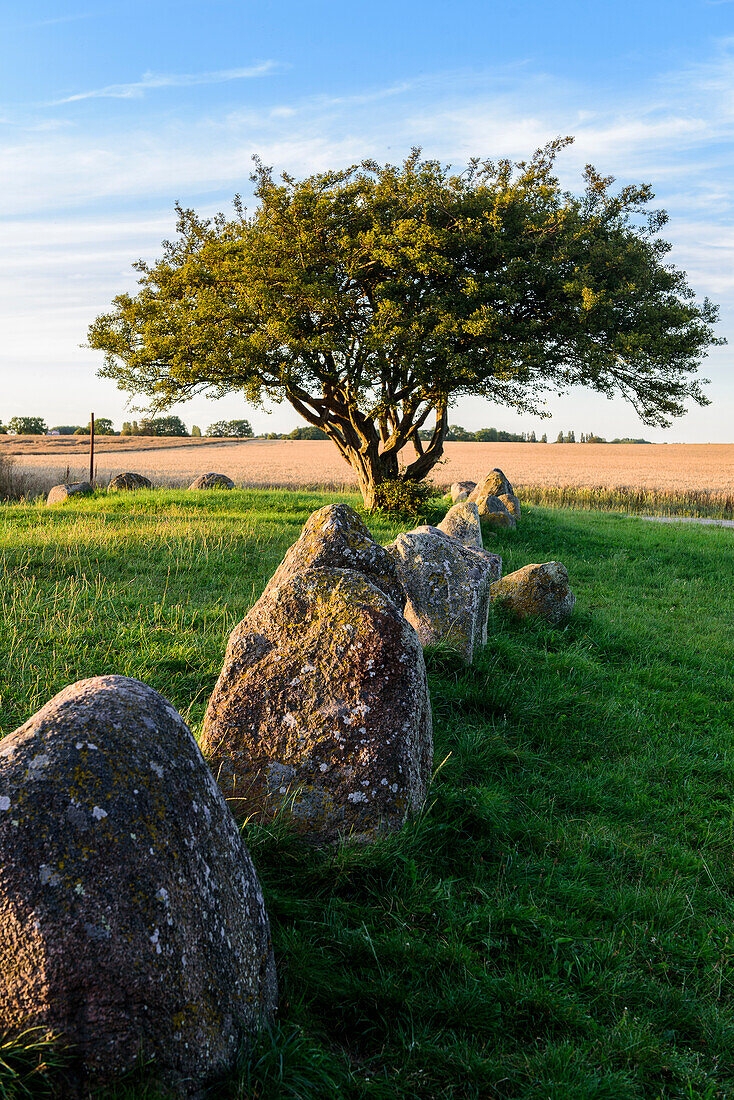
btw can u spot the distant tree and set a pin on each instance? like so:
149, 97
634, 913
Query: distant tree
102, 426
239, 429
28, 425
196, 431
544, 438
3, 428
307, 433
532, 438
570, 437
560, 438
65, 429
163, 425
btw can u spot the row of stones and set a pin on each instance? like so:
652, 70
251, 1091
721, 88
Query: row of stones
131, 918
129, 482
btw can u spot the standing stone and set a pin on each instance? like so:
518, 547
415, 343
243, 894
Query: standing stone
322, 706
494, 497
448, 587
335, 537
462, 523
212, 481
460, 490
541, 591
61, 493
128, 482
132, 923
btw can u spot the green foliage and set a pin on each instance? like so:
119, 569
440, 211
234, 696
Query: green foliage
307, 433
162, 425
30, 1065
239, 429
27, 425
66, 429
196, 432
102, 426
3, 428
372, 297
403, 499
557, 921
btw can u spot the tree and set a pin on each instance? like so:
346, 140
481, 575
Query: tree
65, 429
544, 438
373, 297
162, 425
240, 429
196, 431
102, 426
560, 438
307, 433
27, 425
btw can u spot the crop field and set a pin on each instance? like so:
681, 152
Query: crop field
557, 923
668, 468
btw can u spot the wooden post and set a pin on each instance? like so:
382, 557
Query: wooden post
91, 451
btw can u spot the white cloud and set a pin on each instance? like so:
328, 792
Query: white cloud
149, 81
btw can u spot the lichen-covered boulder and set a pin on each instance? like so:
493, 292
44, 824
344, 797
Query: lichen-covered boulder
511, 503
212, 481
460, 490
539, 590
495, 513
335, 537
448, 587
494, 484
132, 923
462, 523
64, 492
322, 706
128, 482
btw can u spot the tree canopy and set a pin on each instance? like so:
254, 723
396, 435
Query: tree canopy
374, 297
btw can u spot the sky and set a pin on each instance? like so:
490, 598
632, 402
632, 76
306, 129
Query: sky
111, 113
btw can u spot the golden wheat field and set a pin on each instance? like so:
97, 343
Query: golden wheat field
302, 463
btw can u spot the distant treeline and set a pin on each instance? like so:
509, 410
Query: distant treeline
241, 429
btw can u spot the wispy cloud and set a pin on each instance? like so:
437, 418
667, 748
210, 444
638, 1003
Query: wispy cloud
150, 81
61, 19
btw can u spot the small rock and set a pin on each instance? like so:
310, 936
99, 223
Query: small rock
460, 490
61, 493
462, 523
133, 924
495, 499
212, 481
322, 706
128, 482
448, 587
335, 537
542, 591
494, 485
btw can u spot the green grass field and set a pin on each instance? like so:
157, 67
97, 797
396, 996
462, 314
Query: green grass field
559, 922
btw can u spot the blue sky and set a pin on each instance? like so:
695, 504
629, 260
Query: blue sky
110, 113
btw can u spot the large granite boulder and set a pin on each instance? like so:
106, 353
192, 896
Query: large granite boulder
462, 523
212, 481
128, 482
132, 924
460, 490
322, 706
495, 499
539, 590
61, 493
448, 587
335, 537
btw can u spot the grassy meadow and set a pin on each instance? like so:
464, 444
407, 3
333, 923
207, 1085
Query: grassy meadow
559, 921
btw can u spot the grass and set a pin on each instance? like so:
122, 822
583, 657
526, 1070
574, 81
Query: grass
707, 503
559, 921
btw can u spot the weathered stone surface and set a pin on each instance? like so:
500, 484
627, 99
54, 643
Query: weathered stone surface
322, 705
128, 482
462, 523
61, 493
448, 587
495, 513
131, 918
460, 490
212, 481
540, 590
494, 485
511, 503
335, 537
